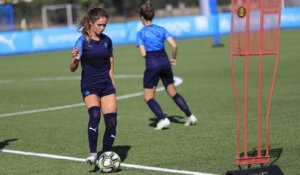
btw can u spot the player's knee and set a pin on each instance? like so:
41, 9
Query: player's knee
148, 100
175, 96
94, 113
110, 109
171, 90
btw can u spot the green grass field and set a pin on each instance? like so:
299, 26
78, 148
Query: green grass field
41, 82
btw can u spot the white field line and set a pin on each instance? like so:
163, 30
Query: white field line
65, 78
177, 80
143, 167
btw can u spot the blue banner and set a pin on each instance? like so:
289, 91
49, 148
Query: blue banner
53, 39
290, 18
16, 42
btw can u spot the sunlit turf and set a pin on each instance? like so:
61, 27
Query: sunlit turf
43, 80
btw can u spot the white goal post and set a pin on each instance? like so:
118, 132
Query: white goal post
47, 8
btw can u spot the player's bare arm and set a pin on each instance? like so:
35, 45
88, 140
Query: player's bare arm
111, 71
142, 51
173, 45
74, 60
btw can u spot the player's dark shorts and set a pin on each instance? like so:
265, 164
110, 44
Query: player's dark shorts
157, 67
100, 90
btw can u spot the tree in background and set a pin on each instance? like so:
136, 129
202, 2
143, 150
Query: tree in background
118, 9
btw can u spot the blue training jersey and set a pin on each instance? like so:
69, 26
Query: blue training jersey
152, 37
95, 60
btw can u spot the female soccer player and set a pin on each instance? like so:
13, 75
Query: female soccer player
150, 41
95, 52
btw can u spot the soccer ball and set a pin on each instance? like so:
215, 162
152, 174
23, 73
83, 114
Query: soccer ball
109, 161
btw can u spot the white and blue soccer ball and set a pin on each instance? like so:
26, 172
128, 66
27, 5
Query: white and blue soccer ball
109, 161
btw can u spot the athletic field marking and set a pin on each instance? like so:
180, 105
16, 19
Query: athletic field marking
143, 167
64, 78
177, 82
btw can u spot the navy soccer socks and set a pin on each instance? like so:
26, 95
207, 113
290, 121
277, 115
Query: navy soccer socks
156, 109
110, 131
94, 113
180, 102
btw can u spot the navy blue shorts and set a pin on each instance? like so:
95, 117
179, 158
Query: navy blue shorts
100, 90
152, 76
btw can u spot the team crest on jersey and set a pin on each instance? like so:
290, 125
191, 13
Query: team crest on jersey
86, 93
105, 45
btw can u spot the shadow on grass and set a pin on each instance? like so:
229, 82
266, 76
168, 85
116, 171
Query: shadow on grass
122, 151
153, 122
176, 119
274, 154
173, 119
5, 143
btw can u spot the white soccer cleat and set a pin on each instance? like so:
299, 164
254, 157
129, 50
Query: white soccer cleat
191, 120
91, 159
163, 123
